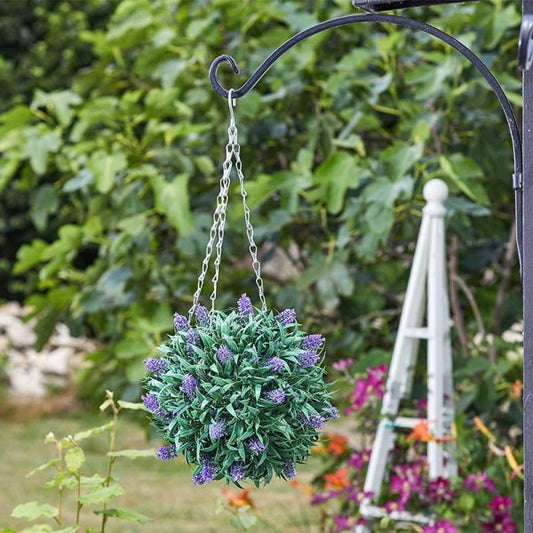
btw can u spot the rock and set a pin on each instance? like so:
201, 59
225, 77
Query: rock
56, 361
11, 309
26, 382
21, 335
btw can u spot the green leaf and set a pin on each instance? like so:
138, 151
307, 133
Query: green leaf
58, 103
74, 459
466, 175
42, 467
92, 431
101, 494
34, 510
133, 454
39, 143
105, 167
124, 514
133, 406
172, 200
29, 255
44, 203
336, 174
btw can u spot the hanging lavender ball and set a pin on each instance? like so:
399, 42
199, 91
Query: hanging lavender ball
241, 393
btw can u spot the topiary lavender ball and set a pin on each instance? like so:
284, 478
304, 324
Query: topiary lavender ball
239, 393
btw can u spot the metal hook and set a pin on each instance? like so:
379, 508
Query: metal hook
231, 104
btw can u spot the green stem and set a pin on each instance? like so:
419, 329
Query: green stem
80, 505
60, 489
107, 481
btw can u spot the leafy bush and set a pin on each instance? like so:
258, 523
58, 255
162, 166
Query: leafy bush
339, 140
71, 474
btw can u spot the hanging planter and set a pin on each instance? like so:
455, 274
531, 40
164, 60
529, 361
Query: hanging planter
240, 392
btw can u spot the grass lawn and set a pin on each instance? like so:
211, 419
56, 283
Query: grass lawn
163, 491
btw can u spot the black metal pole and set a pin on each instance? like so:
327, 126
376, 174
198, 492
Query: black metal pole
527, 139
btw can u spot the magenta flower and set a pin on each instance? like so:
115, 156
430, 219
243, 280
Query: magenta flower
442, 526
439, 490
342, 523
500, 504
359, 459
500, 523
357, 496
478, 481
343, 364
322, 497
392, 506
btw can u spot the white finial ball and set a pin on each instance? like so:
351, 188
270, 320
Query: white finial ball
435, 191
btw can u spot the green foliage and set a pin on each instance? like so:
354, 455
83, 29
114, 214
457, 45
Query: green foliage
240, 395
70, 473
117, 154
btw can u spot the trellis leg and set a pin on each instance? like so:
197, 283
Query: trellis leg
438, 322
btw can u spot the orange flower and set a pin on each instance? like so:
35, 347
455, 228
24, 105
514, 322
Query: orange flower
306, 489
337, 480
236, 501
516, 390
338, 444
319, 449
420, 432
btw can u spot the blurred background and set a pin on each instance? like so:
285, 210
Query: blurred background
112, 142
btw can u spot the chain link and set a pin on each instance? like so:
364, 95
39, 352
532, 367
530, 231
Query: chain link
216, 233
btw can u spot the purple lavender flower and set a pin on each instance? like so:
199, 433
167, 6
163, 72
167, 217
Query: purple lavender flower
224, 354
165, 453
276, 364
289, 470
151, 403
217, 429
245, 306
181, 323
287, 317
202, 315
331, 413
192, 338
308, 359
277, 396
189, 386
314, 421
312, 342
237, 472
207, 472
156, 366
256, 446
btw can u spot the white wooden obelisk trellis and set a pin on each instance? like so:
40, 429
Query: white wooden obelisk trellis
427, 283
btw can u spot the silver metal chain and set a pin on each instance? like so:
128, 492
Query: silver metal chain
216, 233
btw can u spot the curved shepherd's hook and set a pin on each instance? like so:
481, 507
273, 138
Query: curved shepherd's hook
514, 130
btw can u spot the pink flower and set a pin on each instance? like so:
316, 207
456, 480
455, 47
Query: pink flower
343, 364
438, 490
359, 459
342, 523
392, 506
500, 504
479, 481
442, 526
357, 496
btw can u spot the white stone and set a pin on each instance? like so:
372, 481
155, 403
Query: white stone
28, 382
12, 309
21, 335
56, 361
